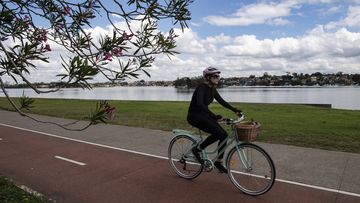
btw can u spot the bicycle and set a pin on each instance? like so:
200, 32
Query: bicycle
249, 167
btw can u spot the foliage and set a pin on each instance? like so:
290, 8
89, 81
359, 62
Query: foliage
31, 29
11, 193
188, 82
25, 102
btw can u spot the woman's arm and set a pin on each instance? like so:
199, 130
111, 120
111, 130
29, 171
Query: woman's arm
224, 103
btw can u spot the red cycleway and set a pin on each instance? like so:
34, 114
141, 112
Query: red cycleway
117, 176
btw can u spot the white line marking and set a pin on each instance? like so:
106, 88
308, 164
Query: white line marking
70, 160
319, 187
1, 139
162, 157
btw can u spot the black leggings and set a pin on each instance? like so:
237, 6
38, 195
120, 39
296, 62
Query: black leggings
211, 126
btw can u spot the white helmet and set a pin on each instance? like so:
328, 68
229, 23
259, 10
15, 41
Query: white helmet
210, 71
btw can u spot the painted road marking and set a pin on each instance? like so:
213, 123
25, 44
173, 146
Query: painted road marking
1, 139
70, 160
162, 157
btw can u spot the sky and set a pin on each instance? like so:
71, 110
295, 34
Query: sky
243, 38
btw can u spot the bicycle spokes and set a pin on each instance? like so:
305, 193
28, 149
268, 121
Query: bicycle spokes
181, 158
251, 169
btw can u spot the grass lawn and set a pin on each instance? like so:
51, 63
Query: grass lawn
298, 125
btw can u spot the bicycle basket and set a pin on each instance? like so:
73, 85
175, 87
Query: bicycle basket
247, 131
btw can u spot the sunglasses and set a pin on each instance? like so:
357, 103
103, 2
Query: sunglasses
215, 76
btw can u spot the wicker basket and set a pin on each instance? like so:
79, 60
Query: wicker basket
247, 131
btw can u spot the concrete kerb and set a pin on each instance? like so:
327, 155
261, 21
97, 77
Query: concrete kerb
335, 171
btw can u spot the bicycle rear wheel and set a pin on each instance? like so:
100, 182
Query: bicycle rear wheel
181, 158
250, 169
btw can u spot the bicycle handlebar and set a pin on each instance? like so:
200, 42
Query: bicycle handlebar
230, 121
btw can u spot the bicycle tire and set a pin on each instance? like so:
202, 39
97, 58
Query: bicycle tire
181, 159
258, 176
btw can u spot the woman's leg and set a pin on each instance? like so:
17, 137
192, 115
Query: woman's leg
210, 126
217, 133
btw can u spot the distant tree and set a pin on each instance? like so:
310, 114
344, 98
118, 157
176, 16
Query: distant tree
26, 27
339, 74
181, 82
266, 75
188, 82
356, 78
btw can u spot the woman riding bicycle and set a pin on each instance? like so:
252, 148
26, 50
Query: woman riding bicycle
201, 117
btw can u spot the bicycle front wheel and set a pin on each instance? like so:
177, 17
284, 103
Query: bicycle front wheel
250, 169
181, 158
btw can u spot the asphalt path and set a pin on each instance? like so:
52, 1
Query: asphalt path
66, 170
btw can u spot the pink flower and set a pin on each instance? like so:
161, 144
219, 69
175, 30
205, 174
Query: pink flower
27, 24
26, 21
110, 111
67, 10
47, 47
108, 56
117, 52
126, 36
43, 35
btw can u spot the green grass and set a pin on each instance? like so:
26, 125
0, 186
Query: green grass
9, 193
298, 125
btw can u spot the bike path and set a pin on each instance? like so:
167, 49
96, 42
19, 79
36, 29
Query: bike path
72, 171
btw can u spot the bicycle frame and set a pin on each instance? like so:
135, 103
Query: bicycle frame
227, 142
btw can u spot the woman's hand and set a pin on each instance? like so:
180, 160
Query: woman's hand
219, 118
238, 112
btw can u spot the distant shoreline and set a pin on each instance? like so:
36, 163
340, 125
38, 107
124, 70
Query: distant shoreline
254, 86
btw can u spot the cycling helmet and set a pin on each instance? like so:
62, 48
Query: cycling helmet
210, 71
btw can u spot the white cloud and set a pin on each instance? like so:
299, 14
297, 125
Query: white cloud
218, 39
317, 50
319, 1
259, 13
352, 20
330, 11
316, 43
353, 17
188, 42
279, 22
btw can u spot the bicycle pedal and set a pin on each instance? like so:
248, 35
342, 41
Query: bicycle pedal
220, 171
207, 169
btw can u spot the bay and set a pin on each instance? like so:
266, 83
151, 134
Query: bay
342, 97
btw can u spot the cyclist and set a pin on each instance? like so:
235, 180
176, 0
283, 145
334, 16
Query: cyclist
201, 117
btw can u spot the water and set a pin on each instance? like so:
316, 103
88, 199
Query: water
338, 97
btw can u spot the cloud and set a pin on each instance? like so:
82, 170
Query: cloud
244, 55
315, 43
330, 11
188, 42
317, 50
260, 13
352, 20
320, 49
353, 17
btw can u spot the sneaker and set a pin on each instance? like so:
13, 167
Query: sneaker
196, 153
220, 167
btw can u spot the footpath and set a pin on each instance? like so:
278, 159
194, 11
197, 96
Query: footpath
332, 171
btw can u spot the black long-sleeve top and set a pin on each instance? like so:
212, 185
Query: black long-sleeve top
203, 96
